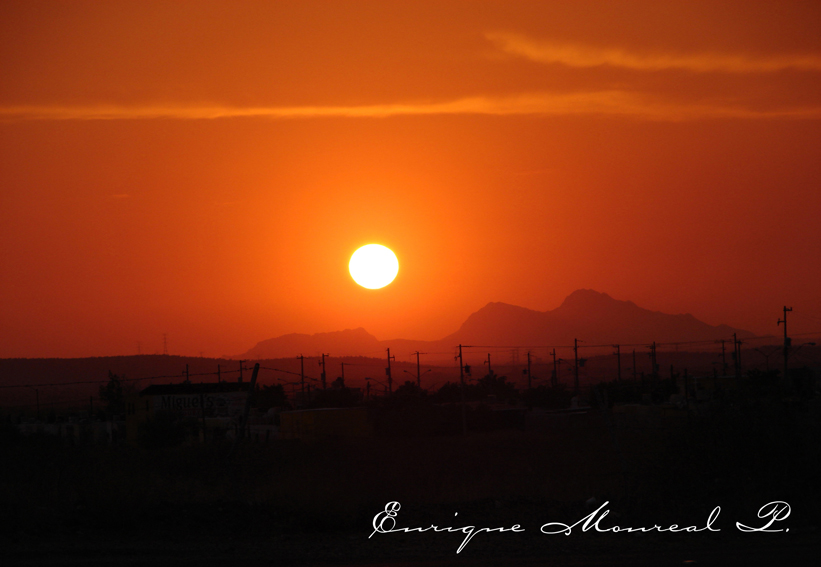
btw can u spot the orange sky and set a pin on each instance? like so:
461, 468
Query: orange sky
205, 169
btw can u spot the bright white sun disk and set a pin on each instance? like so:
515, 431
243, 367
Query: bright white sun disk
373, 266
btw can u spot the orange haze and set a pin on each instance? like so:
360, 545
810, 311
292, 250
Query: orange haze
205, 170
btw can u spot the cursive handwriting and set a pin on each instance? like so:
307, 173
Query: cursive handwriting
593, 520
385, 523
777, 510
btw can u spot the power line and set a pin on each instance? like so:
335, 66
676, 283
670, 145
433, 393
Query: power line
300, 374
644, 344
220, 371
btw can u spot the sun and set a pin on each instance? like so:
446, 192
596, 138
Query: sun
373, 266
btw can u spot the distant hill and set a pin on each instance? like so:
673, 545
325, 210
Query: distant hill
350, 342
587, 315
591, 316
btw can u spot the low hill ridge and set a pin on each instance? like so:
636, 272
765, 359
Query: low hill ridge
588, 315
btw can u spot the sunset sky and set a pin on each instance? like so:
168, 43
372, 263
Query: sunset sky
206, 169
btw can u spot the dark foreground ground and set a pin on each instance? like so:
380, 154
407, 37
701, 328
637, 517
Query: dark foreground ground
355, 549
295, 503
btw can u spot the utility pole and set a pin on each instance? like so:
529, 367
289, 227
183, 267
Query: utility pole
736, 369
462, 390
187, 379
653, 361
419, 370
736, 356
618, 361
723, 359
529, 372
342, 364
322, 364
576, 365
243, 422
302, 375
786, 344
555, 379
635, 372
489, 369
219, 374
388, 372
241, 362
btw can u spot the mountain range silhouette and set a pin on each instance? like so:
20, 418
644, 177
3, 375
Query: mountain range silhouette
587, 315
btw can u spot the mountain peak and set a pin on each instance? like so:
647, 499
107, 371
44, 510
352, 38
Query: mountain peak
501, 307
587, 298
585, 314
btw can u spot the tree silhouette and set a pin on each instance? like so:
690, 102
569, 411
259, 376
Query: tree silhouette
112, 395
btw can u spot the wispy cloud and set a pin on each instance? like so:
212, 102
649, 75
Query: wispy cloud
577, 55
609, 102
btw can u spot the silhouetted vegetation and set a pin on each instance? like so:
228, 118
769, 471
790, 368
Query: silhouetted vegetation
338, 397
409, 390
755, 446
269, 397
490, 387
113, 396
740, 457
